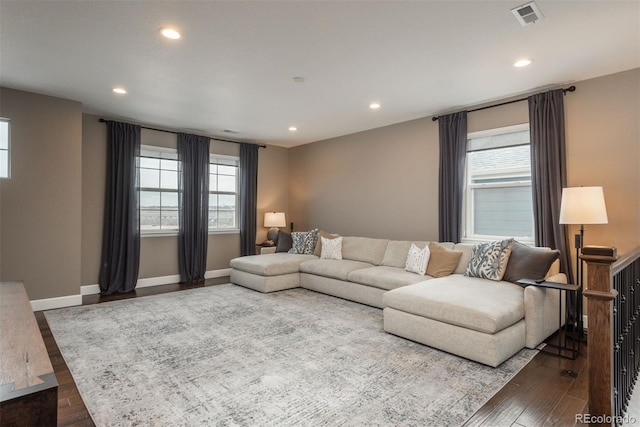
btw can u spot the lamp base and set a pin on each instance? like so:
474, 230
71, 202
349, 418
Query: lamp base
272, 234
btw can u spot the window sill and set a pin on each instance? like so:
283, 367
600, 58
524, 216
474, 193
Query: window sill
175, 233
487, 239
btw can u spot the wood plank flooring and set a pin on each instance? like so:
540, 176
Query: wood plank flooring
539, 395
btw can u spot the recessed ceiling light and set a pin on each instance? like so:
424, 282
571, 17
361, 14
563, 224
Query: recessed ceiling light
374, 106
170, 33
293, 128
522, 63
119, 90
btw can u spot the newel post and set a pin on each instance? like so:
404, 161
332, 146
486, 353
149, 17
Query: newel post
600, 296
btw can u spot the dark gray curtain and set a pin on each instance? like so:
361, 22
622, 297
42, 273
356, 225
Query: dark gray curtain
121, 229
549, 173
193, 157
453, 152
248, 197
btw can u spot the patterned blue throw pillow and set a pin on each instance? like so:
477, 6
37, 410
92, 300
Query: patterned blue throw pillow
304, 242
489, 260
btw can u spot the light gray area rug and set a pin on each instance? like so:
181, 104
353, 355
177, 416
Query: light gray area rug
226, 355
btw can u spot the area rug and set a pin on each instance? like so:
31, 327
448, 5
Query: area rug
226, 355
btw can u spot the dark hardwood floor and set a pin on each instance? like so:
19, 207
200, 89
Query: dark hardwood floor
541, 394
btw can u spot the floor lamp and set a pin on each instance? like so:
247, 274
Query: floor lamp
582, 205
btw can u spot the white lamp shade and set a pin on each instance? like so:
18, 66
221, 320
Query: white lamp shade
274, 219
583, 205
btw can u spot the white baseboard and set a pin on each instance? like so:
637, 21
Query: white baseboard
214, 274
156, 281
58, 302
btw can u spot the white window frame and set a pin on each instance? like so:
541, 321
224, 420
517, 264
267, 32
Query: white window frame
8, 149
468, 236
167, 154
214, 158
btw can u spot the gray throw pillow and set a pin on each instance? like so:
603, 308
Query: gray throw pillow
304, 242
489, 260
285, 242
529, 263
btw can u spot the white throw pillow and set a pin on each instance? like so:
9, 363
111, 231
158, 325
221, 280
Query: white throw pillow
417, 259
331, 248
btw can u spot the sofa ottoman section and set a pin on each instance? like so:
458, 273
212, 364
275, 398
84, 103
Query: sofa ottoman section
489, 349
479, 319
268, 273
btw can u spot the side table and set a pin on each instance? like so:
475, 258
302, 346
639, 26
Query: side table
260, 246
562, 349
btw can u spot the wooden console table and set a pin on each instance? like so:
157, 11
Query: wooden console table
28, 385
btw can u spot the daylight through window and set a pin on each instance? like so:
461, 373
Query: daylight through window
158, 190
498, 198
4, 148
223, 192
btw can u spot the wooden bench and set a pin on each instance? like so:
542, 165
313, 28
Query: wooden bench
28, 385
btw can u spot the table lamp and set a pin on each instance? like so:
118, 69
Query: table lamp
274, 220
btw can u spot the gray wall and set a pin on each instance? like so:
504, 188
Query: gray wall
40, 206
384, 182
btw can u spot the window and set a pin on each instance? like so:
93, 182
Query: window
223, 193
498, 197
4, 148
158, 190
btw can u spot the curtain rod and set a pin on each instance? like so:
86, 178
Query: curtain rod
564, 91
174, 132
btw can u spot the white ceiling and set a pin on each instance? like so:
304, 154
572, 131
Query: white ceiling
233, 66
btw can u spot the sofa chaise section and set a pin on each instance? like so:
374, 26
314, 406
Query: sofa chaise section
269, 272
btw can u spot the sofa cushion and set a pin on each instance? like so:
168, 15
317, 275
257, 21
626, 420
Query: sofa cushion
442, 261
466, 249
527, 262
479, 304
489, 260
384, 277
336, 269
396, 253
364, 249
270, 264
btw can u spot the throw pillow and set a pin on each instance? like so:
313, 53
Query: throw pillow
331, 248
442, 261
318, 250
417, 259
489, 260
285, 242
304, 242
527, 262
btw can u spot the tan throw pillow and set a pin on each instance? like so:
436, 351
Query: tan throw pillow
442, 261
326, 235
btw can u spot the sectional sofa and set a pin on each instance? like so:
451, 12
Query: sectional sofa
483, 320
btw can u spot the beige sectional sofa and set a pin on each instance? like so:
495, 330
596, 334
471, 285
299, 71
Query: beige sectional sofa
479, 319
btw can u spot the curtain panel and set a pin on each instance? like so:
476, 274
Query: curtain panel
453, 152
193, 194
121, 228
549, 173
248, 197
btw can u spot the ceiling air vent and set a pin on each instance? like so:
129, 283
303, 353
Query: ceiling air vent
527, 13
